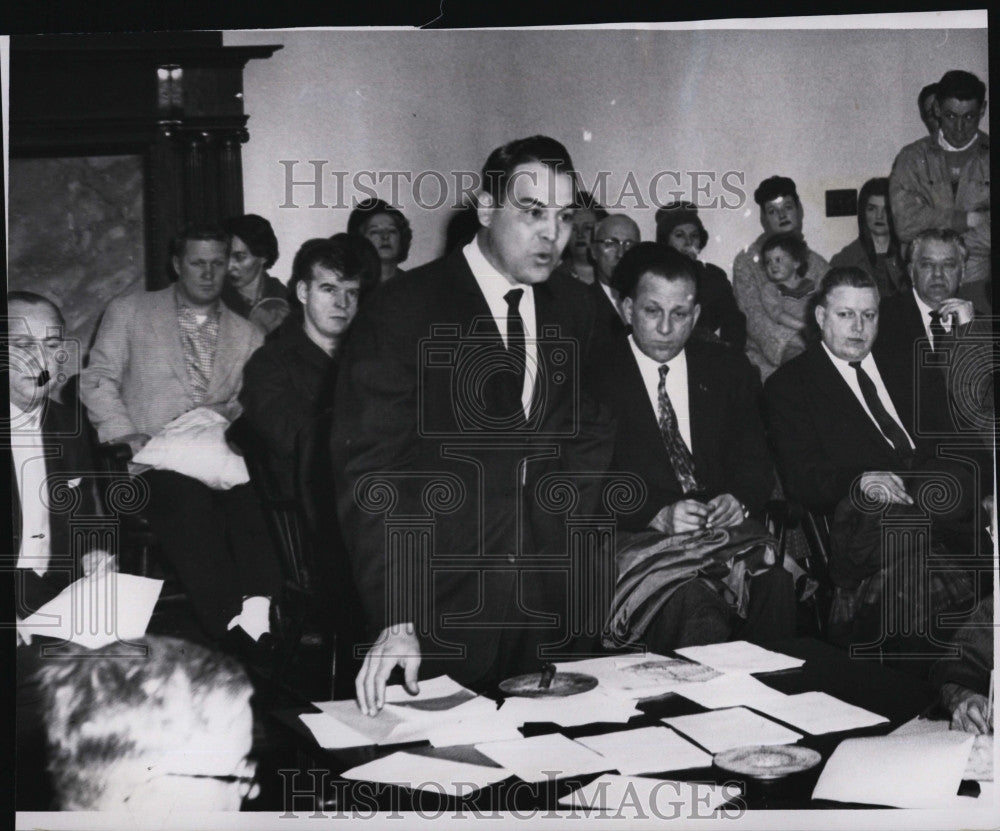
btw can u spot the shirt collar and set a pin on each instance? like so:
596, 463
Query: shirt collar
867, 363
26, 422
925, 310
184, 306
676, 363
493, 284
943, 143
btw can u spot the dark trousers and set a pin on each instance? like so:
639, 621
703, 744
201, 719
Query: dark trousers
217, 543
697, 614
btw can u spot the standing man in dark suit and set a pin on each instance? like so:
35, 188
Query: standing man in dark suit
49, 458
458, 392
688, 424
614, 236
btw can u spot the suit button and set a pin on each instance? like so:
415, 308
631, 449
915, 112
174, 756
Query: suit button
511, 558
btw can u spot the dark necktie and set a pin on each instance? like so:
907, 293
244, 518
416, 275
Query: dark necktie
937, 331
886, 423
515, 339
680, 456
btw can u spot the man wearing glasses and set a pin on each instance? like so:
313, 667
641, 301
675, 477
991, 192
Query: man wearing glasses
613, 237
943, 181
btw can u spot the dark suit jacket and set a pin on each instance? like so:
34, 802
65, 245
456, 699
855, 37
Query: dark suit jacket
823, 438
719, 311
607, 314
727, 433
417, 409
68, 458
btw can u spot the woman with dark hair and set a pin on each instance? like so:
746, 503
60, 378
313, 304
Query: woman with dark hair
250, 291
387, 229
679, 226
876, 251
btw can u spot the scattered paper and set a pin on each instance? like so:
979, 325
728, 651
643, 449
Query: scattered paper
436, 698
331, 734
635, 797
97, 610
740, 656
570, 711
720, 730
377, 729
731, 690
980, 763
542, 758
439, 687
428, 773
912, 771
647, 750
818, 713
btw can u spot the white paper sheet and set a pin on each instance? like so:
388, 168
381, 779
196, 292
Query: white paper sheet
740, 656
570, 711
636, 676
426, 773
914, 771
639, 798
980, 764
818, 713
378, 729
720, 730
647, 750
731, 689
332, 734
541, 758
96, 611
439, 687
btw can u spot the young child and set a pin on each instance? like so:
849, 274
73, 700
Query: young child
786, 261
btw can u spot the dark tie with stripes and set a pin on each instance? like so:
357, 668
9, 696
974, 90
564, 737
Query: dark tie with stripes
886, 423
680, 456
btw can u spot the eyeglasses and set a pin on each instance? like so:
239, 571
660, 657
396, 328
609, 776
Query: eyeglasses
232, 779
613, 243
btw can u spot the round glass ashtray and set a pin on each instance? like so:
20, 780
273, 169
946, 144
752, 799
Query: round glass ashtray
767, 761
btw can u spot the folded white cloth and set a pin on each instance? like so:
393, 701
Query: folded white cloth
195, 444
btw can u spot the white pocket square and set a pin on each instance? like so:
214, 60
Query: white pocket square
74, 483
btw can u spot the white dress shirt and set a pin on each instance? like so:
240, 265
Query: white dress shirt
851, 378
612, 295
676, 386
925, 318
494, 286
26, 447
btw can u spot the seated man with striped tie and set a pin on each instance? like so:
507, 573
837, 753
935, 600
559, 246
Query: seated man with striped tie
841, 420
688, 425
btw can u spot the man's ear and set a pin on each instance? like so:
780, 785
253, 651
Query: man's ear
697, 312
484, 208
628, 307
301, 291
820, 313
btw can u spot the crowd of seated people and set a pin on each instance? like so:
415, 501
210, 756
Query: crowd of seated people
798, 373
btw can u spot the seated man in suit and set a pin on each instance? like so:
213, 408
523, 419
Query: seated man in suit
688, 424
159, 355
49, 451
839, 420
168, 727
614, 236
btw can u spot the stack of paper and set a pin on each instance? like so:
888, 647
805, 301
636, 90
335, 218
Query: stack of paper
571, 710
817, 712
638, 798
980, 764
740, 656
719, 730
920, 770
543, 758
427, 773
647, 750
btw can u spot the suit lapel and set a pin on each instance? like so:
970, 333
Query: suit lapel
167, 332
700, 410
229, 348
841, 399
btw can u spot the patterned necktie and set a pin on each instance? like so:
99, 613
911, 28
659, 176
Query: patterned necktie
937, 331
515, 338
886, 423
680, 456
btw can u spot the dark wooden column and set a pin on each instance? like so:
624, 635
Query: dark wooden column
174, 98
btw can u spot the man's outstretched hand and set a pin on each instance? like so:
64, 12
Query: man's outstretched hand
396, 645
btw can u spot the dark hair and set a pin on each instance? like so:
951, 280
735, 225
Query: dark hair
679, 213
367, 209
656, 257
197, 233
354, 257
774, 187
93, 703
504, 160
586, 201
793, 245
850, 276
257, 234
961, 85
925, 93
29, 298
879, 186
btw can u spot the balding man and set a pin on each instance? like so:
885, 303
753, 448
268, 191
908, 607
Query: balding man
613, 236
